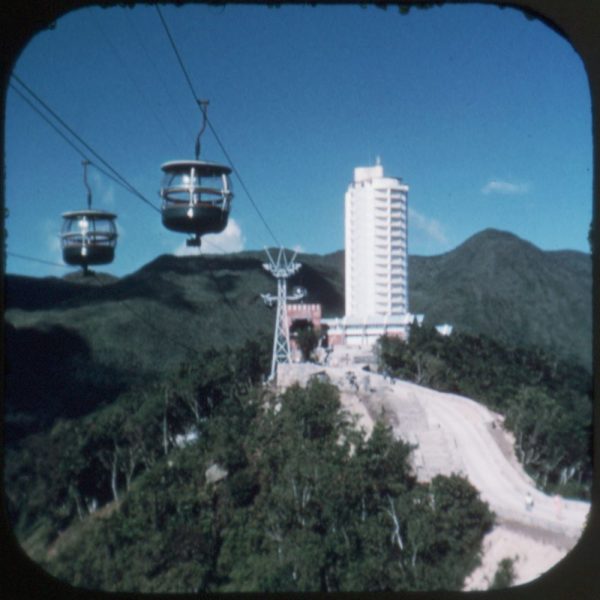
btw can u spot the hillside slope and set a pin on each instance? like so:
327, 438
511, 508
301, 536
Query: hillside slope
494, 283
165, 310
72, 343
454, 434
500, 285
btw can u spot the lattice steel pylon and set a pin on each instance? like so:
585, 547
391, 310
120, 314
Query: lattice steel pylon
281, 269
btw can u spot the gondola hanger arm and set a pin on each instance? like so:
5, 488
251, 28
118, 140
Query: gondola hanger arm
85, 164
203, 104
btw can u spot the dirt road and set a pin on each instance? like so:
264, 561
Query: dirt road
453, 434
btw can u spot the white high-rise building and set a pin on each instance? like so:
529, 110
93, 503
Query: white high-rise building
376, 245
376, 255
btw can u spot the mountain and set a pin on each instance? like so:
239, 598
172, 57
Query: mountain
500, 285
170, 307
74, 343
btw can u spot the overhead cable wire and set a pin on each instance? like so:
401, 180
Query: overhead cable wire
174, 46
213, 130
78, 150
195, 97
258, 211
48, 121
157, 72
123, 63
40, 260
120, 179
146, 321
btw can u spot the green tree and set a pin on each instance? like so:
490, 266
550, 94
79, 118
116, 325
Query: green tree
307, 339
551, 438
517, 382
336, 511
505, 574
309, 503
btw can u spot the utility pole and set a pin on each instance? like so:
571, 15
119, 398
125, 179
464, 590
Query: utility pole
281, 269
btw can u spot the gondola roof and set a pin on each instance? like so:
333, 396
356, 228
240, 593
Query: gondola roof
209, 169
89, 213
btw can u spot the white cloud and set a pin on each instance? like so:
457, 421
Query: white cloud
184, 250
121, 232
431, 227
52, 235
497, 186
54, 247
230, 240
107, 196
53, 251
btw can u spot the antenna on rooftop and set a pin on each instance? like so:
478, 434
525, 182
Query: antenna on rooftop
281, 269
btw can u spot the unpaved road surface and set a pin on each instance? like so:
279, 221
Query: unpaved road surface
453, 434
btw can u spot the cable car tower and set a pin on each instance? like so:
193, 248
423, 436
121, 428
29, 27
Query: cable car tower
281, 269
196, 194
88, 237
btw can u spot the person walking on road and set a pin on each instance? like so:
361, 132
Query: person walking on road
528, 501
558, 506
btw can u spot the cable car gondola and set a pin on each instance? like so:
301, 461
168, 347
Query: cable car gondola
88, 236
196, 194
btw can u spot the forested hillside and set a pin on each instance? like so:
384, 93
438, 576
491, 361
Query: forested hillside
210, 483
139, 432
547, 402
85, 339
500, 285
494, 283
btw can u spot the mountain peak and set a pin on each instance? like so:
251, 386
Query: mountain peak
506, 287
491, 235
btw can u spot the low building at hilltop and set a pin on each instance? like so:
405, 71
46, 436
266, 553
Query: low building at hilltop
300, 316
301, 312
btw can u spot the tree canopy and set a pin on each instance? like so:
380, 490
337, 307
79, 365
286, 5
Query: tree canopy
547, 402
305, 501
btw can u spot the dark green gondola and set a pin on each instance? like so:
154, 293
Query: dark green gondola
196, 198
196, 194
88, 236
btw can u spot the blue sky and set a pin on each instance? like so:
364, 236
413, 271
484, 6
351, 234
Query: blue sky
485, 114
